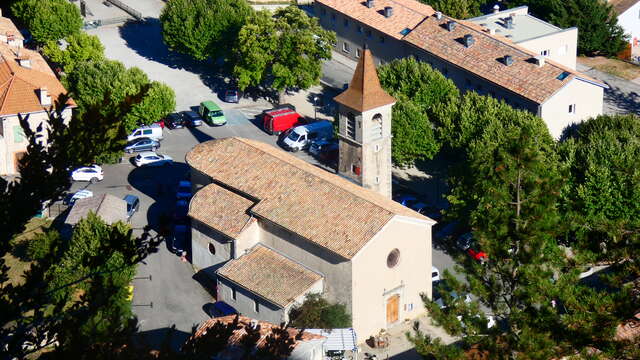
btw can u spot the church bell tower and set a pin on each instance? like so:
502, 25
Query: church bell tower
365, 129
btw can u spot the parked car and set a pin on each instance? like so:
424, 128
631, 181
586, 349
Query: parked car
280, 119
91, 173
232, 96
326, 150
141, 144
133, 204
174, 121
418, 206
184, 189
302, 136
150, 158
182, 209
440, 288
435, 274
212, 113
465, 243
153, 132
192, 119
180, 234
159, 123
82, 194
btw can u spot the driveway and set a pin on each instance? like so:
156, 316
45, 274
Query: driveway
622, 97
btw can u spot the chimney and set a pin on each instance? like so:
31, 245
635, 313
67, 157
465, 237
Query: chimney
492, 31
496, 8
25, 62
539, 60
45, 99
451, 25
508, 60
254, 324
370, 4
438, 15
508, 22
388, 11
468, 40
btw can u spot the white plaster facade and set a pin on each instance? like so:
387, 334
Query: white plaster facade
629, 20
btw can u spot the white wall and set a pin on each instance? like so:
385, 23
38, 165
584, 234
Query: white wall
588, 99
562, 46
630, 22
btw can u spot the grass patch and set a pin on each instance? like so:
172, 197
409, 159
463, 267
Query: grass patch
613, 67
16, 259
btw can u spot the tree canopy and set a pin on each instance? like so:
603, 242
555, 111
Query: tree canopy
420, 91
80, 47
597, 23
281, 51
48, 19
316, 312
459, 9
203, 28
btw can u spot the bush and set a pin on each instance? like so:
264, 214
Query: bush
43, 245
317, 313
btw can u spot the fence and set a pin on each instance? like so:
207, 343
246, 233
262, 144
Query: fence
135, 13
55, 210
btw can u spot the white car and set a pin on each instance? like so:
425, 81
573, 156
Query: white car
435, 274
91, 173
82, 194
150, 158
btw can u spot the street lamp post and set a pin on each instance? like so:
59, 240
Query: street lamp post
315, 103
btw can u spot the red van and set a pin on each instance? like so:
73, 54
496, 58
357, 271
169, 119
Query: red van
277, 120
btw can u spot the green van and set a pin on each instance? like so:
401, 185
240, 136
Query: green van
211, 113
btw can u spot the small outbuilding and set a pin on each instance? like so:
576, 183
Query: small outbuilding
108, 207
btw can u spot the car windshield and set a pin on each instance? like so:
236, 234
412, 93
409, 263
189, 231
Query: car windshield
216, 113
294, 136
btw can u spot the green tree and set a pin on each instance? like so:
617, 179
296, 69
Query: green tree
203, 28
159, 101
597, 22
48, 19
459, 9
282, 52
80, 47
420, 91
317, 312
432, 348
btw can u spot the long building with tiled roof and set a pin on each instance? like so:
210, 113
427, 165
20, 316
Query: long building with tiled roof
535, 73
28, 86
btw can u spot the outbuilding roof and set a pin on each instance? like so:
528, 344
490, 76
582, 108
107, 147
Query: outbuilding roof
485, 57
108, 207
323, 208
269, 274
406, 14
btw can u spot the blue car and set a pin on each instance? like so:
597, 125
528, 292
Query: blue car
180, 234
184, 189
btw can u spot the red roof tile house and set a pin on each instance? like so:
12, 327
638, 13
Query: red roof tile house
473, 54
27, 87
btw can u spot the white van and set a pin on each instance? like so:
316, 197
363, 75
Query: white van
152, 132
301, 136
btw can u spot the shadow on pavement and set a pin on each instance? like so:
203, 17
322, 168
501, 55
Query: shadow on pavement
627, 102
323, 100
199, 134
159, 339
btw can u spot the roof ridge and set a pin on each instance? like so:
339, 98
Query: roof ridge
408, 8
6, 94
315, 175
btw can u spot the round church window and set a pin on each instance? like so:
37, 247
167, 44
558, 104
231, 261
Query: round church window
393, 258
212, 249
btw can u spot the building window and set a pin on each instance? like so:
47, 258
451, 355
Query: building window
381, 39
256, 306
376, 148
346, 22
369, 34
333, 16
572, 109
393, 258
376, 127
545, 52
212, 249
233, 293
377, 180
345, 47
18, 134
358, 51
562, 50
351, 126
359, 28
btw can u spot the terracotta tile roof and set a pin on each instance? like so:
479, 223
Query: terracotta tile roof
485, 58
265, 272
324, 208
108, 207
406, 14
243, 322
629, 329
220, 209
364, 92
620, 6
19, 86
7, 27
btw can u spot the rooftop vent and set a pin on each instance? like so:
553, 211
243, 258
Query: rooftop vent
24, 61
254, 324
438, 15
508, 60
468, 40
508, 22
492, 31
496, 8
451, 25
45, 99
388, 11
539, 60
370, 4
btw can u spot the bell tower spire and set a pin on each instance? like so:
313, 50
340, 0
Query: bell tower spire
365, 129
